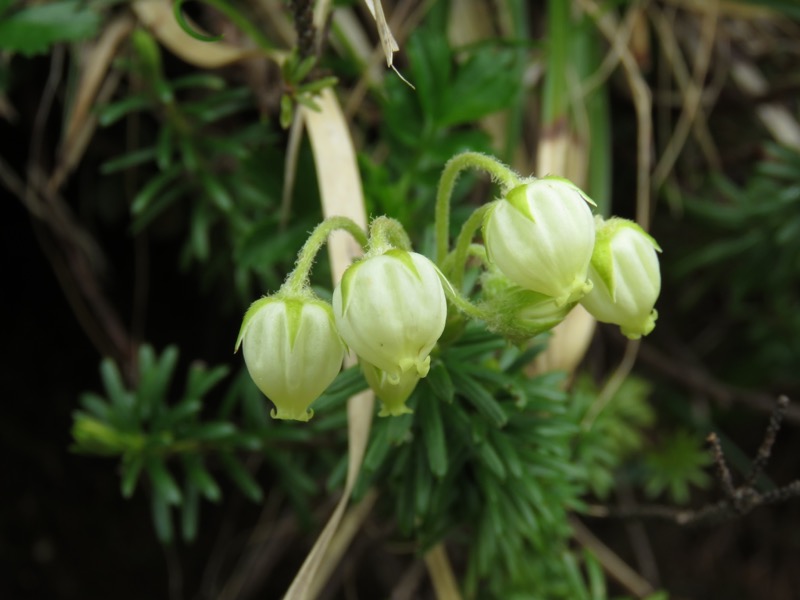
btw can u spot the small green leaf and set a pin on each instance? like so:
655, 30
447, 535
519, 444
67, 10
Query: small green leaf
177, 414
153, 188
597, 580
112, 113
287, 111
423, 482
158, 206
302, 68
163, 483
128, 160
573, 573
441, 384
199, 80
191, 161
308, 101
214, 431
162, 519
120, 397
201, 478
506, 451
314, 87
200, 381
155, 378
217, 192
34, 29
490, 458
479, 397
190, 515
430, 419
164, 148
378, 447
131, 468
96, 406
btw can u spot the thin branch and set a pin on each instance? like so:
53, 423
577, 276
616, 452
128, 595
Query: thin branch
738, 501
765, 450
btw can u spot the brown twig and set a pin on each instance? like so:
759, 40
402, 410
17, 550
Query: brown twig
304, 25
738, 501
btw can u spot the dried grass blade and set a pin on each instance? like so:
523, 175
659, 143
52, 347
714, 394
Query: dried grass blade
342, 195
158, 17
388, 43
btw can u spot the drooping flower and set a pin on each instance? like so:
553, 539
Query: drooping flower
541, 237
390, 309
626, 276
292, 351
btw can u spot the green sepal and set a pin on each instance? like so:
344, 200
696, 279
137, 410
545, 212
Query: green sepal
518, 198
294, 314
603, 258
254, 308
404, 257
346, 284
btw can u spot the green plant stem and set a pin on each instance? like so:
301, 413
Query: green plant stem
554, 102
297, 281
467, 160
464, 305
463, 243
385, 234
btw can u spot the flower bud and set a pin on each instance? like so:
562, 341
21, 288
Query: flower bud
626, 277
393, 396
519, 314
541, 237
391, 309
292, 351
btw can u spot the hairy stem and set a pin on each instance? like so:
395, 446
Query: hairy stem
298, 278
467, 160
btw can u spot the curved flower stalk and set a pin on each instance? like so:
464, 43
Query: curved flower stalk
541, 237
626, 276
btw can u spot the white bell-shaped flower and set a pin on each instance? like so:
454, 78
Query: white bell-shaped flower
292, 351
626, 277
390, 309
541, 237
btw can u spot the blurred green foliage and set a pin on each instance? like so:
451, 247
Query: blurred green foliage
741, 252
34, 28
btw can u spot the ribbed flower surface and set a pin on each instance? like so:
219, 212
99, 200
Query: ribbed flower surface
391, 309
292, 352
541, 237
626, 277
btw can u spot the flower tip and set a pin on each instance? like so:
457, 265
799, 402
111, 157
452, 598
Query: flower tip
579, 289
635, 333
396, 410
286, 415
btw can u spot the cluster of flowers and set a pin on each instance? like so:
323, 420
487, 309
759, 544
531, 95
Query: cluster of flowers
545, 252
